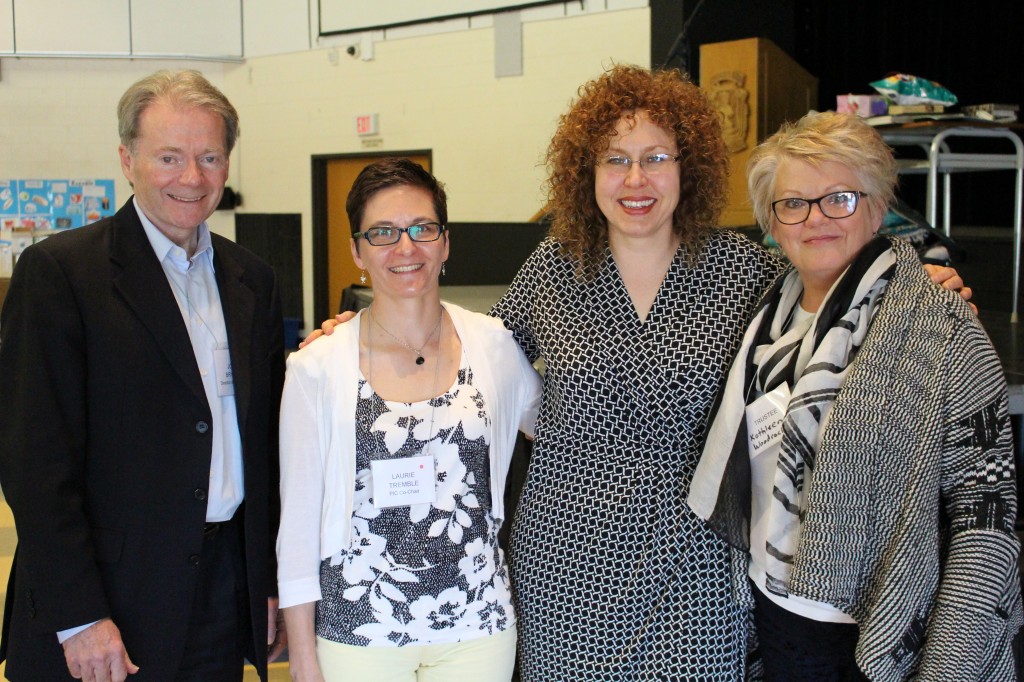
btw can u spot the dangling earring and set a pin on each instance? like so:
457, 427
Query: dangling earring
442, 267
362, 277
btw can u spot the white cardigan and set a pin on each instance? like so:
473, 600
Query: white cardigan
318, 438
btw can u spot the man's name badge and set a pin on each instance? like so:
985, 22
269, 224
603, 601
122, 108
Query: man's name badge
225, 378
764, 419
404, 481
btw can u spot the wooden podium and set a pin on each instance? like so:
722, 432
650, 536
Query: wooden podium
756, 87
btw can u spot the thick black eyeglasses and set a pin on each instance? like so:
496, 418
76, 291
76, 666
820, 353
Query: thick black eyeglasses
385, 234
794, 210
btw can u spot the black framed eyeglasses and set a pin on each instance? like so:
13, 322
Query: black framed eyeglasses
649, 163
383, 235
795, 210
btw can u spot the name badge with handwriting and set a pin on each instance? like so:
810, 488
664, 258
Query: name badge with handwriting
764, 419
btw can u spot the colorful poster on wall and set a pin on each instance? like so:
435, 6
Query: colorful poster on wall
34, 211
9, 207
31, 210
80, 202
67, 206
54, 204
8, 198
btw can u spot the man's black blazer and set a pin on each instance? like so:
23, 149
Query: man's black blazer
105, 443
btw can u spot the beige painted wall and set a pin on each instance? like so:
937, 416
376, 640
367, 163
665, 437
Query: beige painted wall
434, 92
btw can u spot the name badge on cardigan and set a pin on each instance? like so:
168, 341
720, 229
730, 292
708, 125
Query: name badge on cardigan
404, 481
764, 419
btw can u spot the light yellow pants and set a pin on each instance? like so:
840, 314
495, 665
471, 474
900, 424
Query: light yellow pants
484, 659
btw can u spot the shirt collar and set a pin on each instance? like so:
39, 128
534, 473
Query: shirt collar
164, 247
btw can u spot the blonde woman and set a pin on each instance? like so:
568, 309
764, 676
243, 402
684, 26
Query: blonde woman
860, 459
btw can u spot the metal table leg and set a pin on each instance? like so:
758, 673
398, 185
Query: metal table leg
942, 160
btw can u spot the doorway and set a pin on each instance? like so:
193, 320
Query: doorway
333, 269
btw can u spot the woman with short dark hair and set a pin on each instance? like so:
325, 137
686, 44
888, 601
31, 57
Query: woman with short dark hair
396, 436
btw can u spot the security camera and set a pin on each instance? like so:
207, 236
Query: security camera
352, 51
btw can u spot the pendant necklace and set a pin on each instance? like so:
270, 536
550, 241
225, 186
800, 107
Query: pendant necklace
437, 367
418, 352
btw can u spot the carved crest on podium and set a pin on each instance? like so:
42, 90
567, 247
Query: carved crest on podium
730, 97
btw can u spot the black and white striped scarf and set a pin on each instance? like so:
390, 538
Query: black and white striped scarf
812, 357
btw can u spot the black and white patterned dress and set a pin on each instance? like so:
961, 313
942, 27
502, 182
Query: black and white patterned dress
428, 573
614, 577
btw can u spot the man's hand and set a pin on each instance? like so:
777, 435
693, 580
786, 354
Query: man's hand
327, 327
97, 654
948, 278
277, 636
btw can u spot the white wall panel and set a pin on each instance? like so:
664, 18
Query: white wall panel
61, 27
356, 15
6, 26
198, 28
276, 26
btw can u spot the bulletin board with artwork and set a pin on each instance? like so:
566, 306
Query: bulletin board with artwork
31, 210
54, 204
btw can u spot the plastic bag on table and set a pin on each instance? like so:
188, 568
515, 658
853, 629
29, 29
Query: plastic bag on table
902, 88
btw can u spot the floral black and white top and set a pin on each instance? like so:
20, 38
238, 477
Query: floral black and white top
426, 573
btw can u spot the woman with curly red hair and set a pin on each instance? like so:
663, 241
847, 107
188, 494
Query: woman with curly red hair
636, 302
664, 98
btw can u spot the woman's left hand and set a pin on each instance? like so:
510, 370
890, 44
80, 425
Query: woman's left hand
949, 278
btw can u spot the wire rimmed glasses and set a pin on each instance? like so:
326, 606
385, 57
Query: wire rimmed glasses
649, 163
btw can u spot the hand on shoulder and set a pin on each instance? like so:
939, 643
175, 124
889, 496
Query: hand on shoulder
327, 327
948, 278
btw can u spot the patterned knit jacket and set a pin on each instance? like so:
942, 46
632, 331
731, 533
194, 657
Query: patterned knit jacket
909, 524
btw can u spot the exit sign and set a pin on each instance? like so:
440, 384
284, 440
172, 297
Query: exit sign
367, 124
